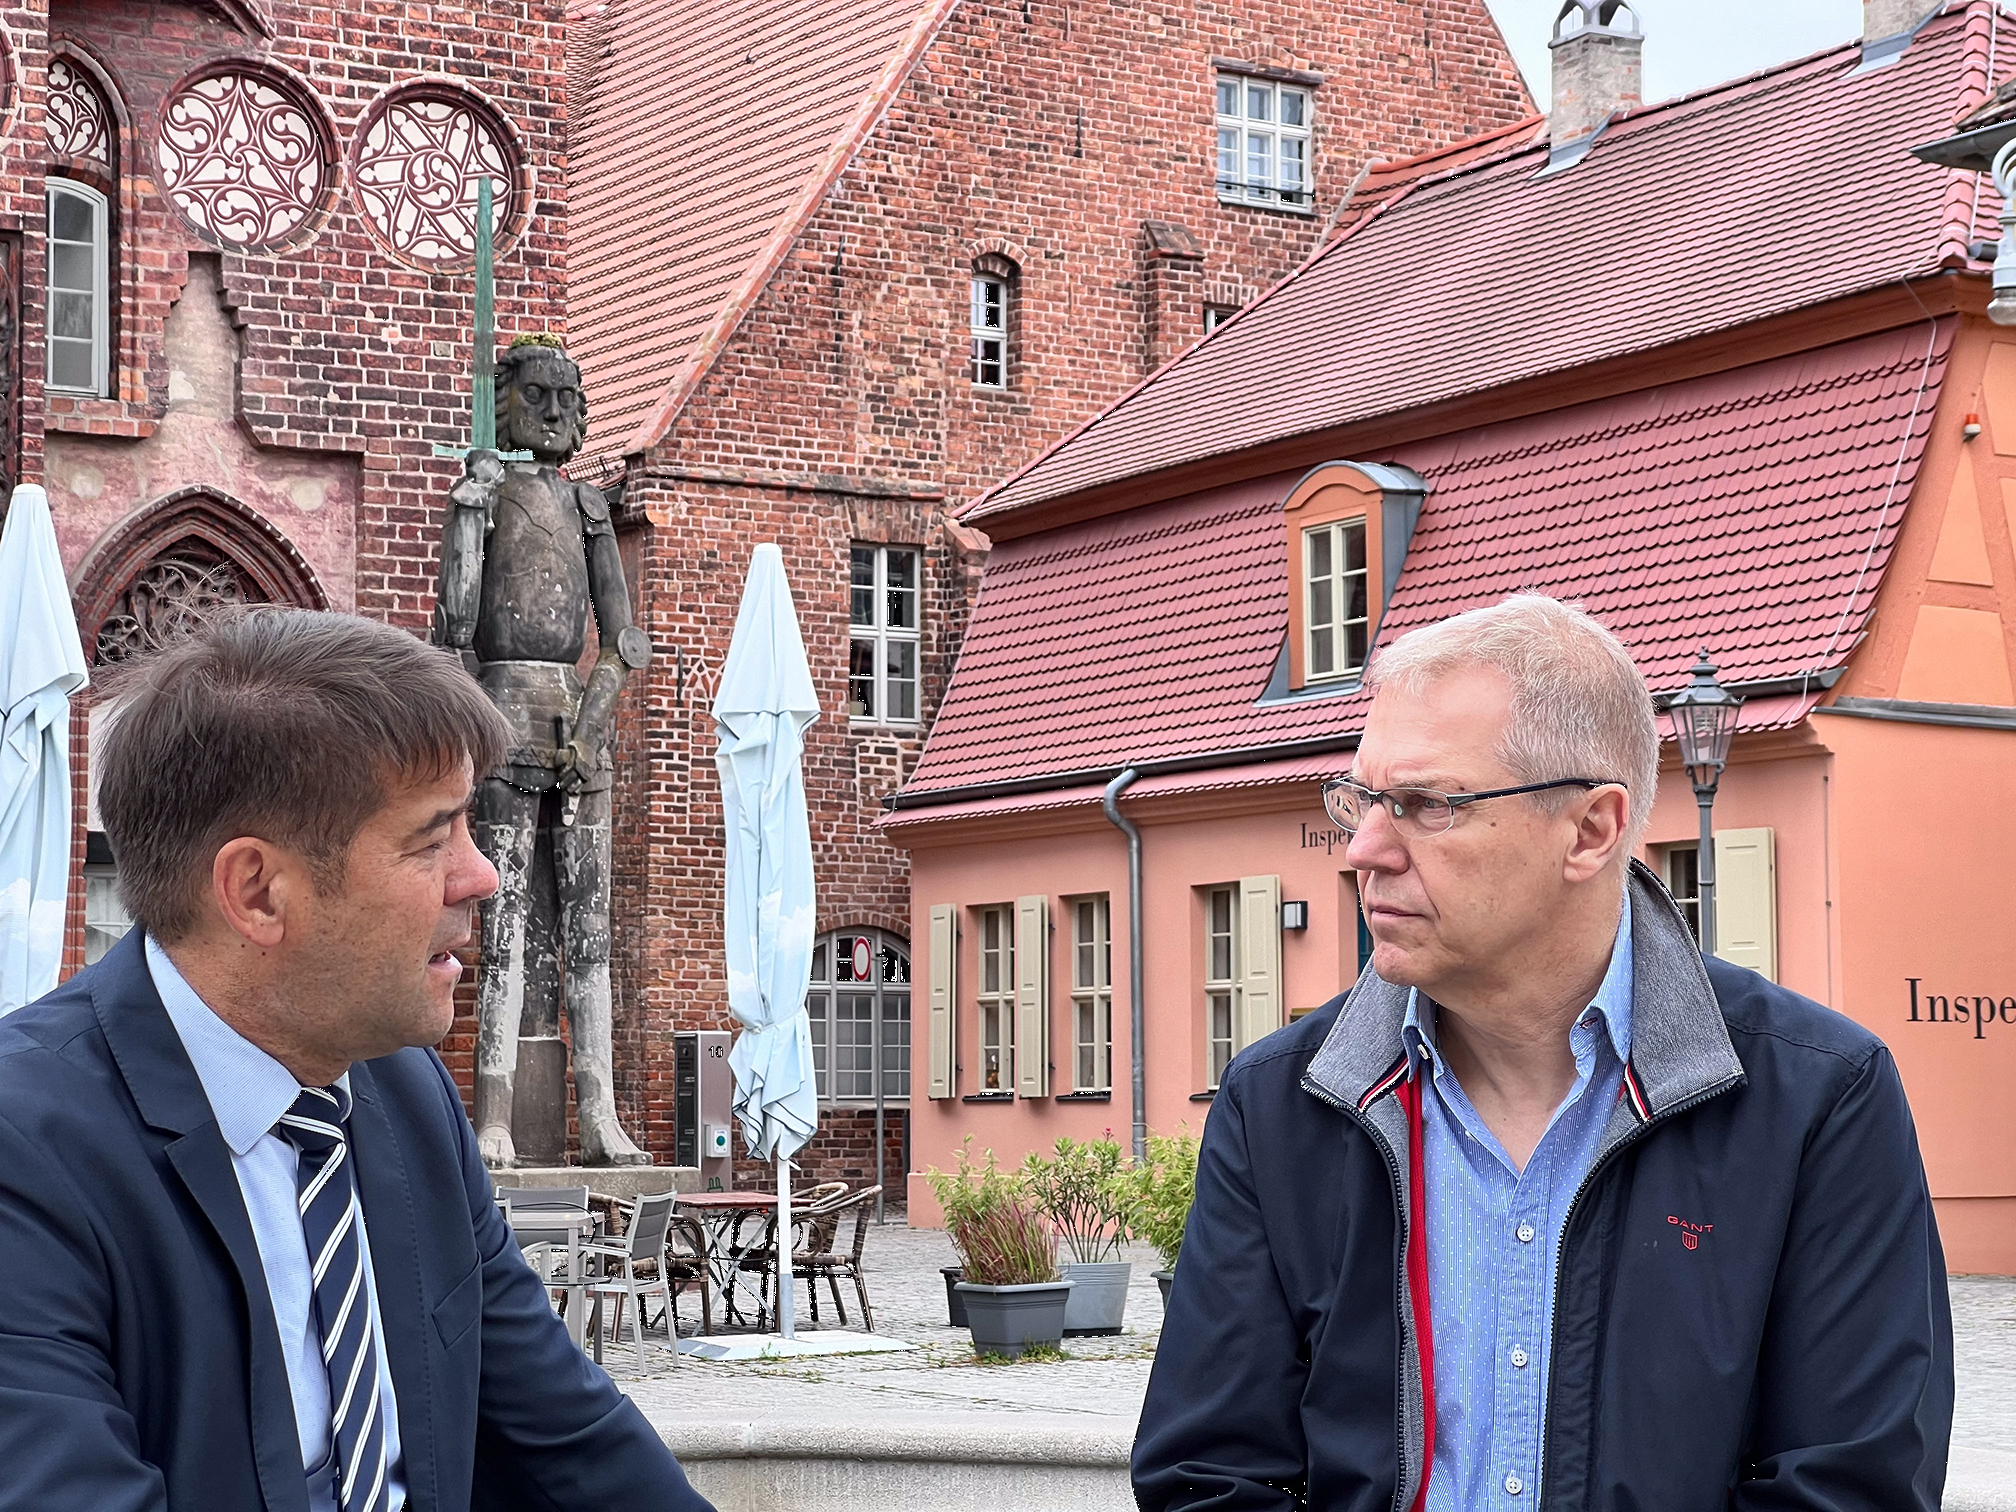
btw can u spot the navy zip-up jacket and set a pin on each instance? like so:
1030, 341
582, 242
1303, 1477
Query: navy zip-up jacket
1797, 1353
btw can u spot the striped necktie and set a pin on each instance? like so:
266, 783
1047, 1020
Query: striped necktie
315, 1126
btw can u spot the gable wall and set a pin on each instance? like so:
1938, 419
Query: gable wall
842, 409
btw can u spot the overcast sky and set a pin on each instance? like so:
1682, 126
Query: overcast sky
1692, 43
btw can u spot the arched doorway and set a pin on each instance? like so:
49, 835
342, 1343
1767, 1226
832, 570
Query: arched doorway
860, 977
150, 578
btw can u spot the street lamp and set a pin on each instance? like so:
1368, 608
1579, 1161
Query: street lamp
1704, 722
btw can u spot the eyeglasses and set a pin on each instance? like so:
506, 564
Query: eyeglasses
1423, 811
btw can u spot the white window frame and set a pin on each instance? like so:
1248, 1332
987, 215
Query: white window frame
894, 1001
1254, 144
874, 635
1221, 987
106, 921
1092, 993
99, 293
1329, 638
1216, 315
994, 1000
988, 327
1670, 868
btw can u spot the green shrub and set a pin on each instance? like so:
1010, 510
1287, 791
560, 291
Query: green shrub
1161, 1193
1086, 1192
1000, 1235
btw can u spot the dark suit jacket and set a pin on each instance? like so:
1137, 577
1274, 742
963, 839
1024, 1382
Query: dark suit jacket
139, 1363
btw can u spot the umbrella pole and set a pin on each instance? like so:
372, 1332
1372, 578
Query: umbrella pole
787, 1308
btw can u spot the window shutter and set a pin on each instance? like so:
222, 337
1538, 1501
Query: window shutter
944, 1001
1259, 1011
1032, 996
1746, 900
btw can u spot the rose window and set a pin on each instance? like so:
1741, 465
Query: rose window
76, 116
171, 597
418, 168
241, 158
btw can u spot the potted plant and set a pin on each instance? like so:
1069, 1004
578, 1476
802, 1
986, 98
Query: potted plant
1014, 1299
1084, 1191
1161, 1193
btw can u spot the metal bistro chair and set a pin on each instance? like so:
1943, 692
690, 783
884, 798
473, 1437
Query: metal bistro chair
634, 1266
812, 1255
687, 1260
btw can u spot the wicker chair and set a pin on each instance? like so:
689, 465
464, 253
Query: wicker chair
815, 1255
813, 1224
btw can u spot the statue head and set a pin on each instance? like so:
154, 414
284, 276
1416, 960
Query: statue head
540, 407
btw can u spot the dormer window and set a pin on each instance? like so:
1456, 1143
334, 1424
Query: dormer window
1337, 605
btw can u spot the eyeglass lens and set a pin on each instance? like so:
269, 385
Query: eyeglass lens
1417, 811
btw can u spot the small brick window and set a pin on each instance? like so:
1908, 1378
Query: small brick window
1263, 142
990, 331
883, 633
1336, 615
79, 339
1217, 315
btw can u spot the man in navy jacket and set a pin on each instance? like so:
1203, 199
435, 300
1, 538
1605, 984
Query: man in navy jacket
1546, 1211
252, 1258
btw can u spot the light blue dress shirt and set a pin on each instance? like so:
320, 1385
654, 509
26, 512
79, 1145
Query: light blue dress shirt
248, 1091
1494, 1239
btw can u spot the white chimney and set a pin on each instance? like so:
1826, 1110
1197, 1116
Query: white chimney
1597, 67
1892, 18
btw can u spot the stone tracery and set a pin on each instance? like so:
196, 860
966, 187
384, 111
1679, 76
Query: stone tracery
241, 158
417, 171
75, 115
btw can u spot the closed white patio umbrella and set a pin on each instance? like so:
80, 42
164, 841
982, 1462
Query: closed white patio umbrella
41, 665
769, 912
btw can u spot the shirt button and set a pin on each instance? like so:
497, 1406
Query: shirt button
1514, 1485
1518, 1358
1526, 1232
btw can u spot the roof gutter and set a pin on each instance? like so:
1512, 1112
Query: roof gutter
908, 798
1137, 1017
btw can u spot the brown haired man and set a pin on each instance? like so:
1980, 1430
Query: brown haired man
253, 1258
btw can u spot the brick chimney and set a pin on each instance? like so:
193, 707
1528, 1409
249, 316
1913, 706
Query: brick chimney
1597, 67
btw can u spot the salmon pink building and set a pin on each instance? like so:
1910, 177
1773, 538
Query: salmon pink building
1718, 368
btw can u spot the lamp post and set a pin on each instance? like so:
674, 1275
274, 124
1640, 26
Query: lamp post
1704, 722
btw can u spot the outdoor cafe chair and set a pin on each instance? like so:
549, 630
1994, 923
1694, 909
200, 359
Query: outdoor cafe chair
634, 1266
812, 1254
538, 1245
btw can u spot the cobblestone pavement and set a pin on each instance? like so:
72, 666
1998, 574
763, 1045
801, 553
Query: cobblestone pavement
1107, 1377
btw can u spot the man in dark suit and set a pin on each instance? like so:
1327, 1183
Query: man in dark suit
251, 1256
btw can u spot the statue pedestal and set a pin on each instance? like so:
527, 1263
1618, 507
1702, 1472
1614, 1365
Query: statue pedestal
626, 1182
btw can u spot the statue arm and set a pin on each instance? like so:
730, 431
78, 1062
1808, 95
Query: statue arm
459, 597
624, 647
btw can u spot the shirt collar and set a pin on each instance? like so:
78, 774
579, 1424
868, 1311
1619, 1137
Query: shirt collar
1612, 1005
248, 1090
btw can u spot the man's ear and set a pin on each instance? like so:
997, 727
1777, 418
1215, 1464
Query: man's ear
1599, 833
253, 883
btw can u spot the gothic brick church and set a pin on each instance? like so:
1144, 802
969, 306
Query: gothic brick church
831, 271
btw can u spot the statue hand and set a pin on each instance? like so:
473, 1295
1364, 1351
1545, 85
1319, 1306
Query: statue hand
477, 487
579, 762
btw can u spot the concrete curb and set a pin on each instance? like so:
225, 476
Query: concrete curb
1980, 1480
949, 1462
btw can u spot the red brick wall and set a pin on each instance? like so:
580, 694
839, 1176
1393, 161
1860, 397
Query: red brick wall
346, 350
842, 409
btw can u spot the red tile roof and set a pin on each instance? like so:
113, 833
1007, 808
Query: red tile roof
1771, 193
1751, 511
709, 133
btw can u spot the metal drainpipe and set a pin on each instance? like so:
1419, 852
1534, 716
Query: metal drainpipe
1136, 1014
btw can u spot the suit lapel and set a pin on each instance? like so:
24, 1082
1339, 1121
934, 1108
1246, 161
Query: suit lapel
402, 1306
165, 1089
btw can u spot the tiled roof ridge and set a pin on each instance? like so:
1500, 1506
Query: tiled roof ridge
931, 16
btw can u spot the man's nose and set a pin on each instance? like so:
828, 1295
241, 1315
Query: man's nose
1375, 844
472, 878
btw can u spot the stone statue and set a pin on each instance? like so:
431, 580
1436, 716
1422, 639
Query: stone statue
527, 555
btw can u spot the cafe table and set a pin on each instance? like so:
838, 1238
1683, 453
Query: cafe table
724, 1215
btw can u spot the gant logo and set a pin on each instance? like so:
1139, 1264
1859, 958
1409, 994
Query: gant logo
1690, 1233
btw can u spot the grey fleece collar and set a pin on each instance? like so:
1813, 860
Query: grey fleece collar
1679, 1044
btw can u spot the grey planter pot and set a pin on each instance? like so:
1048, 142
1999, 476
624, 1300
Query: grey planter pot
1098, 1296
955, 1305
1006, 1320
1162, 1279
